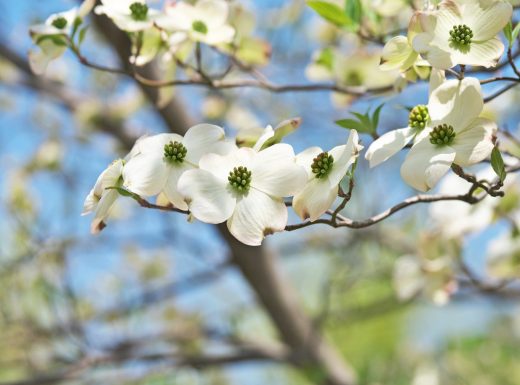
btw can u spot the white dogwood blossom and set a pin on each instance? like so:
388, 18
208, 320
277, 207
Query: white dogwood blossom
101, 198
455, 134
128, 15
390, 143
48, 36
205, 22
325, 170
159, 160
463, 32
244, 188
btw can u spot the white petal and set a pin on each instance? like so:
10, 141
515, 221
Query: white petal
315, 199
86, 7
397, 54
306, 157
90, 203
485, 54
485, 18
179, 17
222, 165
145, 174
213, 13
154, 144
475, 143
275, 171
257, 215
219, 35
456, 103
170, 187
425, 164
388, 145
438, 57
344, 157
208, 197
105, 204
437, 77
204, 139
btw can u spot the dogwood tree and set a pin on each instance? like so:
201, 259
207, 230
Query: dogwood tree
450, 140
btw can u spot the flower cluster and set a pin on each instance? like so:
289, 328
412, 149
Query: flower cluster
448, 129
153, 32
213, 179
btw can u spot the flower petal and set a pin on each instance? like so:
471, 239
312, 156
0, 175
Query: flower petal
397, 54
486, 18
344, 157
475, 143
221, 165
257, 215
306, 157
388, 145
213, 13
205, 139
456, 103
315, 199
170, 187
208, 197
218, 35
145, 174
154, 144
275, 171
437, 56
425, 164
485, 54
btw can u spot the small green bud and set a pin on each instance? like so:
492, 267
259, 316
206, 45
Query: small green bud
200, 27
240, 179
418, 117
139, 11
461, 35
442, 135
322, 164
60, 22
175, 152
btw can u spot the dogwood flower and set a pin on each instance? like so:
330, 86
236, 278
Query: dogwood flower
244, 188
128, 15
101, 198
205, 22
325, 170
398, 52
390, 143
48, 36
160, 160
463, 32
455, 134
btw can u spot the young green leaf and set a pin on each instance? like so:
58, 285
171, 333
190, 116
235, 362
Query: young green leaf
331, 12
498, 164
508, 33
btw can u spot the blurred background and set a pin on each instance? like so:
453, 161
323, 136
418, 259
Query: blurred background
428, 297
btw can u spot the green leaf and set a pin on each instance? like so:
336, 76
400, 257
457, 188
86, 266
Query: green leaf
331, 12
354, 10
82, 34
514, 34
353, 124
375, 116
498, 164
508, 32
125, 192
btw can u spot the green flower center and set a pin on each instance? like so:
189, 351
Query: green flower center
240, 179
461, 35
418, 117
139, 11
353, 79
175, 152
442, 135
322, 164
60, 22
200, 27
